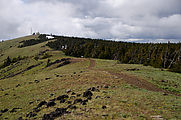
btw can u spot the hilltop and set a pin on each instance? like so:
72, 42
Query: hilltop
76, 78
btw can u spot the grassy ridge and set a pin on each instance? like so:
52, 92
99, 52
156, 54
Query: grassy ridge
122, 100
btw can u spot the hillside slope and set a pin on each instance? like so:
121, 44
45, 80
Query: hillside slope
42, 83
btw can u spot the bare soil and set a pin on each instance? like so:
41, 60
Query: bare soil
133, 80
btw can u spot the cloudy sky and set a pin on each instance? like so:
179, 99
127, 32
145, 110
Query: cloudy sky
126, 20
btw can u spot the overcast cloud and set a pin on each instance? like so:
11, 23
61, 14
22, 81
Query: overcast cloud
127, 20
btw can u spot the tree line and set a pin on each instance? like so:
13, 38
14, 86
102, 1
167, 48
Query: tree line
41, 38
160, 55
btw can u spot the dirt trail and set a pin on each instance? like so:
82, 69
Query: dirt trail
137, 82
75, 60
92, 64
133, 80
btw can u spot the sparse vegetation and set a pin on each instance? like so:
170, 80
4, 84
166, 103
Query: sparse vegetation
82, 88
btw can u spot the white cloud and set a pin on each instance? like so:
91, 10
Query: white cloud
130, 20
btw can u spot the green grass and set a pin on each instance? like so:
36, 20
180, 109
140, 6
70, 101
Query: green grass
125, 102
162, 78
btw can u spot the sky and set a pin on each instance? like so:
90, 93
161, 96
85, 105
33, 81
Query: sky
120, 20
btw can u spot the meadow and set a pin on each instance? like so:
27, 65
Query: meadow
119, 91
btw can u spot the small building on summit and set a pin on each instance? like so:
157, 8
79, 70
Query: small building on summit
50, 37
37, 33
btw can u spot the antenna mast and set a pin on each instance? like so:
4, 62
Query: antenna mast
31, 31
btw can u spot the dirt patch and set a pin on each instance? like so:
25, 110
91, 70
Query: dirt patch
75, 60
92, 63
137, 82
133, 80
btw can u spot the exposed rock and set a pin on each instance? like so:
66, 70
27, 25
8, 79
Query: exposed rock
77, 100
165, 94
72, 107
57, 113
104, 92
1, 89
62, 101
164, 81
133, 69
176, 85
36, 81
51, 94
105, 115
62, 97
41, 104
53, 99
68, 90
47, 78
84, 102
97, 97
94, 89
78, 95
69, 102
107, 97
89, 98
14, 110
18, 85
104, 107
73, 93
36, 110
87, 93
31, 102
31, 114
5, 110
51, 103
106, 86
72, 97
57, 75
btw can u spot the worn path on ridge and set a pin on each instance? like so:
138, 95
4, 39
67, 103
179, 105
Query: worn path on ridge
133, 80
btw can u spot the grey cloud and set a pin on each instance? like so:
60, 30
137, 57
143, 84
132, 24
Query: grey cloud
138, 20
